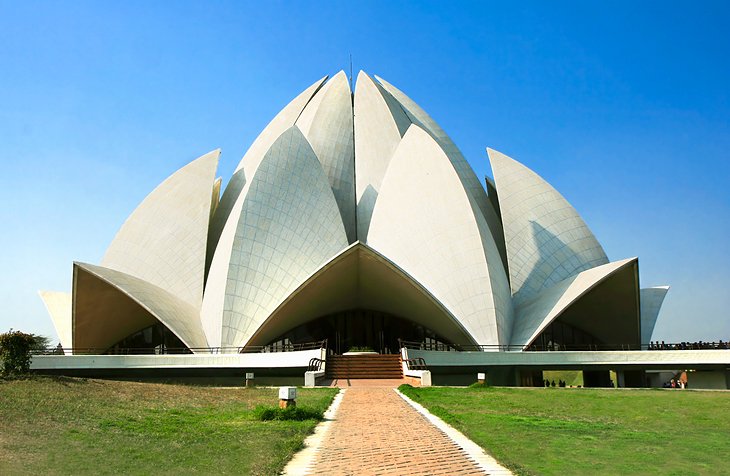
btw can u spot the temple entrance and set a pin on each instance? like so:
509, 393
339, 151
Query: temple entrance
359, 330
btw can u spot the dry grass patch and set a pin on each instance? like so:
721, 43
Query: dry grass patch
85, 426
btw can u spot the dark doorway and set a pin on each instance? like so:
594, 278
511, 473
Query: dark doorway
360, 329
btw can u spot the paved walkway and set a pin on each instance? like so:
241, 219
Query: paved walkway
376, 432
347, 383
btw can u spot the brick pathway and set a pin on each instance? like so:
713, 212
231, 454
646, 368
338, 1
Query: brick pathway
376, 432
347, 383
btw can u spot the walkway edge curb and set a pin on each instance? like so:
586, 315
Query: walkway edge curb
473, 451
303, 460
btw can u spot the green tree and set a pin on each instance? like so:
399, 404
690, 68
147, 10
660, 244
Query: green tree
15, 349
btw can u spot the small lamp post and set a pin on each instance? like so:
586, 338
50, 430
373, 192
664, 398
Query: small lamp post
287, 397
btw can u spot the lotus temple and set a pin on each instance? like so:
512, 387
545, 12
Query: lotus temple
354, 226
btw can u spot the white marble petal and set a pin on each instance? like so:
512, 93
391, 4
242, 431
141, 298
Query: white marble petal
251, 160
327, 124
178, 316
163, 240
286, 227
532, 316
651, 303
58, 305
547, 241
378, 129
424, 223
477, 195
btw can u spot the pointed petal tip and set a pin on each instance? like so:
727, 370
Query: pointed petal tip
383, 81
363, 74
494, 152
340, 77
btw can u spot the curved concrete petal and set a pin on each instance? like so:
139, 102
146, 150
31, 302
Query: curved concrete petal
286, 118
215, 198
547, 241
328, 126
252, 158
651, 303
378, 129
288, 226
163, 240
494, 199
359, 277
109, 305
532, 316
424, 223
58, 305
232, 196
477, 195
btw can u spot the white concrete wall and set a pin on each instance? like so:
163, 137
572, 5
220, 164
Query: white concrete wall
257, 360
669, 359
716, 379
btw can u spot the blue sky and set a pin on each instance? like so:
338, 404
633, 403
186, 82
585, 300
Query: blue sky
622, 106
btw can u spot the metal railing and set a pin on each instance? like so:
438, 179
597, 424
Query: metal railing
315, 364
163, 350
417, 363
441, 347
700, 345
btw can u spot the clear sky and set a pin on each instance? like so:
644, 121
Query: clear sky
622, 106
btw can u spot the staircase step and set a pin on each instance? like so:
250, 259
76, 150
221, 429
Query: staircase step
364, 366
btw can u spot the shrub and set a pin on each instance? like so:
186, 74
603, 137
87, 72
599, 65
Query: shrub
266, 413
15, 347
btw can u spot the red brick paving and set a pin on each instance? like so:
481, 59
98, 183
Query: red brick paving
377, 432
363, 382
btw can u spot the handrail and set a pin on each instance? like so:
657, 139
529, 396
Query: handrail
417, 363
315, 364
163, 350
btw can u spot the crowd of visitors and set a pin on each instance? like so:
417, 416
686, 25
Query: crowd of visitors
689, 345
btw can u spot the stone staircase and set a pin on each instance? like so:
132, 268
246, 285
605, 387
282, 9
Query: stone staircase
364, 366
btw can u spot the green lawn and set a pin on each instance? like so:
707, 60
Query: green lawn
78, 426
591, 431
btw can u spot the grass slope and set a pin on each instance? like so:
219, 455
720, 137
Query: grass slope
584, 431
79, 426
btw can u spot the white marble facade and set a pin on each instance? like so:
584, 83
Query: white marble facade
337, 167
